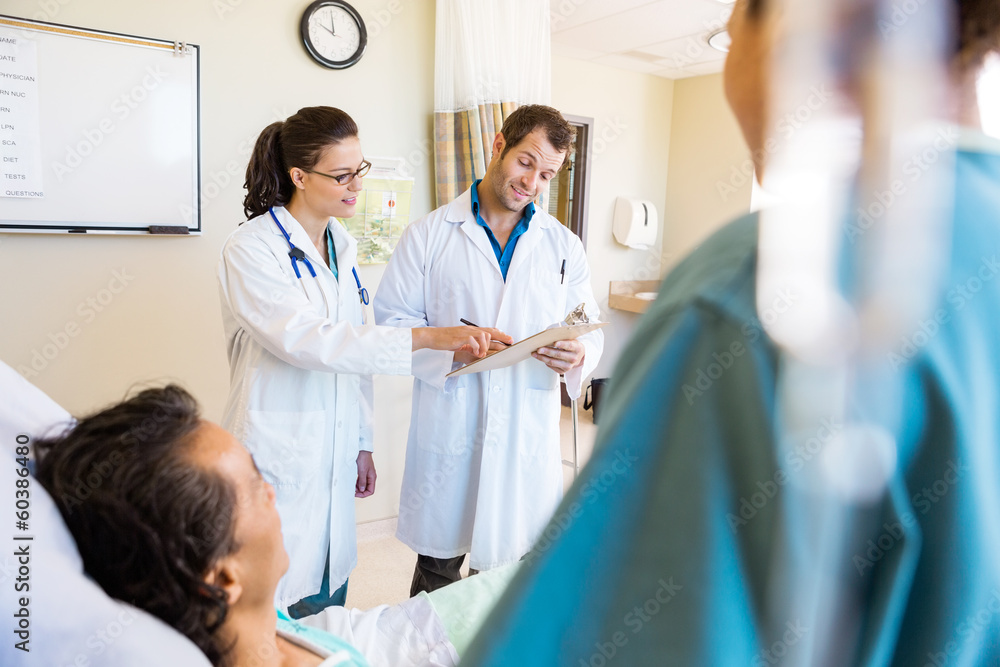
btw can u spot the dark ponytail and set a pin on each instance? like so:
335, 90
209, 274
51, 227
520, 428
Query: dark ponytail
266, 177
298, 141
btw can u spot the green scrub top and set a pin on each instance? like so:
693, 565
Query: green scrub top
682, 542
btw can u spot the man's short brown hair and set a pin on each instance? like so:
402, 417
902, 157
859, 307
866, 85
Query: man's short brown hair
528, 118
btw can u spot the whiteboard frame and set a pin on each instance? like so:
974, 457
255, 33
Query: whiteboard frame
84, 228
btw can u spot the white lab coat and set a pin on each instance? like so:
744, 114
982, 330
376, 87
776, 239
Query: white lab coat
483, 464
301, 395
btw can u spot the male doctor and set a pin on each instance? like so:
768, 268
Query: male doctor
483, 467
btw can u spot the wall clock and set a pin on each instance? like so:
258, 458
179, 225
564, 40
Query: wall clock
334, 33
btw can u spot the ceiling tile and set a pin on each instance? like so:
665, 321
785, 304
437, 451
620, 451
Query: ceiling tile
571, 13
685, 58
698, 69
567, 51
666, 37
635, 28
694, 46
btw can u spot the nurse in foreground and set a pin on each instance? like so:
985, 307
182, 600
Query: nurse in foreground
724, 541
300, 356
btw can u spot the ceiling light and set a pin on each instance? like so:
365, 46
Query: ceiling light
720, 41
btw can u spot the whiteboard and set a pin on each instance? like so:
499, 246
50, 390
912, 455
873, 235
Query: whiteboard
116, 127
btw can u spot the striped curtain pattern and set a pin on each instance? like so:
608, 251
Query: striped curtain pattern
462, 141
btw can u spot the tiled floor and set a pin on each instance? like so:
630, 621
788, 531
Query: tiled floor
385, 565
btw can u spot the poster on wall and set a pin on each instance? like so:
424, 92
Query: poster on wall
383, 211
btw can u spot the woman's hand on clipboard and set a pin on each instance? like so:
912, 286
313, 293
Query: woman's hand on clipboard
476, 341
498, 342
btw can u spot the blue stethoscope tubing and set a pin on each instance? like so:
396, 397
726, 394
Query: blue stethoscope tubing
296, 254
362, 292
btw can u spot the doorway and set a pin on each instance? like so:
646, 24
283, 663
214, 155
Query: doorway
569, 192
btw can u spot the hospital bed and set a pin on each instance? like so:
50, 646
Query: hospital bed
70, 621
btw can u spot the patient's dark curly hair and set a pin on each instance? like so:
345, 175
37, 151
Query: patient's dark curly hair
148, 522
978, 32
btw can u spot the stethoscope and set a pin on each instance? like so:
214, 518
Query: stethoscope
297, 255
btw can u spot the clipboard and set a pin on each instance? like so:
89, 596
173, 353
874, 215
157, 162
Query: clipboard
522, 350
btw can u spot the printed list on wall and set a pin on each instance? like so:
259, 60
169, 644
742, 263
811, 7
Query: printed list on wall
20, 136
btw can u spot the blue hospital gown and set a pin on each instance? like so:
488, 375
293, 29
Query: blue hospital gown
668, 549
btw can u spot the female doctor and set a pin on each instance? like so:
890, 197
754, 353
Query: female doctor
300, 356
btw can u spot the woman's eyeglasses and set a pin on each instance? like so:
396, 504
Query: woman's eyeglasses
344, 179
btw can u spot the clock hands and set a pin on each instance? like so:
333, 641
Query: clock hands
332, 29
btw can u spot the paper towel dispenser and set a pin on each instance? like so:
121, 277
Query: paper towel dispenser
635, 222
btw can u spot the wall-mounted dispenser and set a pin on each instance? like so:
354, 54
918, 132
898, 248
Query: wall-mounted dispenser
635, 222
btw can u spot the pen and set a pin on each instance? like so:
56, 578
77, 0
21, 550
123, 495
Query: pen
468, 323
562, 273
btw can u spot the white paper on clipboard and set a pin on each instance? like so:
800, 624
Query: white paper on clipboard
522, 350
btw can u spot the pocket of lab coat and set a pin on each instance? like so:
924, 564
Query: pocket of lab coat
287, 446
546, 299
442, 421
540, 419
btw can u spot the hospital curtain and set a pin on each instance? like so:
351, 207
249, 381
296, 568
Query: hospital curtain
490, 57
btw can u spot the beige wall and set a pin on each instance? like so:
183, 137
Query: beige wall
710, 170
632, 118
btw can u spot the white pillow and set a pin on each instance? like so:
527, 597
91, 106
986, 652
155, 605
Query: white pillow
71, 621
26, 409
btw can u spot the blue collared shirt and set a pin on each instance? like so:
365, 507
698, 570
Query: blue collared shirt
504, 255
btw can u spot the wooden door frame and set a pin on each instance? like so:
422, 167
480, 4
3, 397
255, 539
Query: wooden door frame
581, 180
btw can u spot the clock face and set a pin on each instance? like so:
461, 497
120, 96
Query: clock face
334, 33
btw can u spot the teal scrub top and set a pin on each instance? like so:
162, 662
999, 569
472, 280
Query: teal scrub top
332, 251
679, 542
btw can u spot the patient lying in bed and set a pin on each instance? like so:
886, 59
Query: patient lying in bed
183, 526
